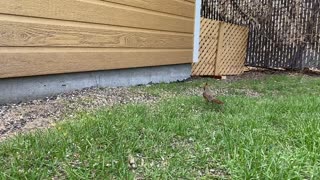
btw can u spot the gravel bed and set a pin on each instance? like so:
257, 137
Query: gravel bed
39, 114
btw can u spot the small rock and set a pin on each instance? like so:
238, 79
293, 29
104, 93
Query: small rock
132, 162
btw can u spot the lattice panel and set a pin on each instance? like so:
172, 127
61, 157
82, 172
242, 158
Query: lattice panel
223, 49
208, 48
232, 49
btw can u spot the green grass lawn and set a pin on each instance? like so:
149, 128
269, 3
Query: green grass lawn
275, 135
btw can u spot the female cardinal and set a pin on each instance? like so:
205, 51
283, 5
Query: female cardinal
208, 95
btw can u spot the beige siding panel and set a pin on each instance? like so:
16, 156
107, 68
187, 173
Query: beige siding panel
177, 7
96, 11
30, 61
40, 37
33, 33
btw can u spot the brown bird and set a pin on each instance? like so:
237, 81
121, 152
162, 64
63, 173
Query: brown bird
209, 97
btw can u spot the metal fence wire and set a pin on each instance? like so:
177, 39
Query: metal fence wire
283, 33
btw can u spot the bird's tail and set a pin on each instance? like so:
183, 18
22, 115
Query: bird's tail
217, 101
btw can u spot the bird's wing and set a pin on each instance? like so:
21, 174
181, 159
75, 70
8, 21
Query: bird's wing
210, 97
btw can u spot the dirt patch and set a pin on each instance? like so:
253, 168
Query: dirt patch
261, 73
39, 114
222, 92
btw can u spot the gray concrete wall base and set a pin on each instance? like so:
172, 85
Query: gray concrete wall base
15, 90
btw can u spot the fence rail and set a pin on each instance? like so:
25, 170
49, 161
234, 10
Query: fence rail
283, 33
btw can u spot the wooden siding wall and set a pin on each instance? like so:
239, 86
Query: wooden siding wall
39, 37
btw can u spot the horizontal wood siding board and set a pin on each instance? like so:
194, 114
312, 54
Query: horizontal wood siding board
176, 7
94, 11
30, 62
38, 34
192, 1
